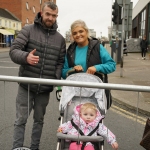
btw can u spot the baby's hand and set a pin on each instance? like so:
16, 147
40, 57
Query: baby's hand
59, 130
115, 145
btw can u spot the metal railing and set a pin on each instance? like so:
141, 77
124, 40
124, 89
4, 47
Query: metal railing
3, 122
123, 87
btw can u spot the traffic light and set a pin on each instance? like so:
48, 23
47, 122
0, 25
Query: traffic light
119, 19
114, 13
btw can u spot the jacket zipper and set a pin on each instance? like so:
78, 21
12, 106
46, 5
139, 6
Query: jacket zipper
38, 90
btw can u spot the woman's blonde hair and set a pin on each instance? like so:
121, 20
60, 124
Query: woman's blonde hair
80, 23
88, 105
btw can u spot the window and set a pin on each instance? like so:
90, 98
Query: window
5, 23
0, 22
17, 25
33, 9
143, 18
27, 20
40, 1
9, 24
27, 6
148, 25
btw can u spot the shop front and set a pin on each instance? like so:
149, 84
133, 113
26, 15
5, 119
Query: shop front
6, 37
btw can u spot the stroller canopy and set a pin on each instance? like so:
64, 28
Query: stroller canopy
69, 92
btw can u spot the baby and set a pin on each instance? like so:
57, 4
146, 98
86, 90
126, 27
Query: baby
87, 117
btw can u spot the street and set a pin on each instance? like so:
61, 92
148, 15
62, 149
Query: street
121, 122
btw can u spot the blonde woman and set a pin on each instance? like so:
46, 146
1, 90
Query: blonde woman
88, 55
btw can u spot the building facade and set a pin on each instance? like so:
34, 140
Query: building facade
9, 25
25, 10
92, 33
141, 20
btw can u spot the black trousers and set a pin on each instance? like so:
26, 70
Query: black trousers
143, 53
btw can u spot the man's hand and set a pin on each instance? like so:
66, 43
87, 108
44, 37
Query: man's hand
91, 70
32, 59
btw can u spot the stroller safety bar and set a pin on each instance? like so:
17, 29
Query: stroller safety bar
80, 138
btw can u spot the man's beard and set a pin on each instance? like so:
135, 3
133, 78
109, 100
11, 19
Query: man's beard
47, 25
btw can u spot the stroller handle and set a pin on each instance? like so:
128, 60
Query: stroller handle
74, 71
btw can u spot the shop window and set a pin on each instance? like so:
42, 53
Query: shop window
40, 1
143, 18
149, 25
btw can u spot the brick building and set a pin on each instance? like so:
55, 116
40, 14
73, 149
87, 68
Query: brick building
25, 10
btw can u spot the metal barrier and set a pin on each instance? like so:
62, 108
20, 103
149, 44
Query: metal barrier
123, 87
7, 110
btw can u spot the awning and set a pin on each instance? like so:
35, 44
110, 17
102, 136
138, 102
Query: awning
5, 32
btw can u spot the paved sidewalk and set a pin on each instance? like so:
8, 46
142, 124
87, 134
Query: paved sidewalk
135, 72
5, 49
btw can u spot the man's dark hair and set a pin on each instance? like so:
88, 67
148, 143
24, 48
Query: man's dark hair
51, 5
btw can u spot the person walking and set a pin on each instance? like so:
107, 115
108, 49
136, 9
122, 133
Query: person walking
103, 43
39, 50
88, 55
144, 47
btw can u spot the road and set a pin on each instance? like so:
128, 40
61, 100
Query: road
122, 122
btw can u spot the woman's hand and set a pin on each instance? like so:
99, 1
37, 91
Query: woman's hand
91, 70
115, 145
78, 68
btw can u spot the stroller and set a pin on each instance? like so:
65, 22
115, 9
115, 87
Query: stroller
72, 96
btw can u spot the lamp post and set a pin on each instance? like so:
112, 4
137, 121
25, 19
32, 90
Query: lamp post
100, 34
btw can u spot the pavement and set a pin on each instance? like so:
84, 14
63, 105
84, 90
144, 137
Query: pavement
5, 49
135, 72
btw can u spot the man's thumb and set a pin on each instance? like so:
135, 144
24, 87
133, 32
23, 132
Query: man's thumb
32, 52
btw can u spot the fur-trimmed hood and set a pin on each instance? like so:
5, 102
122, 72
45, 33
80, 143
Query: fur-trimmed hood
81, 123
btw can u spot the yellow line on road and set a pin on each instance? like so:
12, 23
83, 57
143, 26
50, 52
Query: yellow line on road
129, 115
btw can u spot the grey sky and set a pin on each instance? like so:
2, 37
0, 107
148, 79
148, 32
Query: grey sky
96, 14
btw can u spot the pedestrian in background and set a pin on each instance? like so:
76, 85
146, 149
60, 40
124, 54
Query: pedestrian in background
117, 43
88, 55
39, 50
103, 43
144, 47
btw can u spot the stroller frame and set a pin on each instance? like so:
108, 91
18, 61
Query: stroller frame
64, 113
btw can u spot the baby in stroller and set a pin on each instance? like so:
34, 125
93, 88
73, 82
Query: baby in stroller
72, 98
86, 121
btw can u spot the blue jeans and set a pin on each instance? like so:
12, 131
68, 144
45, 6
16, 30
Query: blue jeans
38, 103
